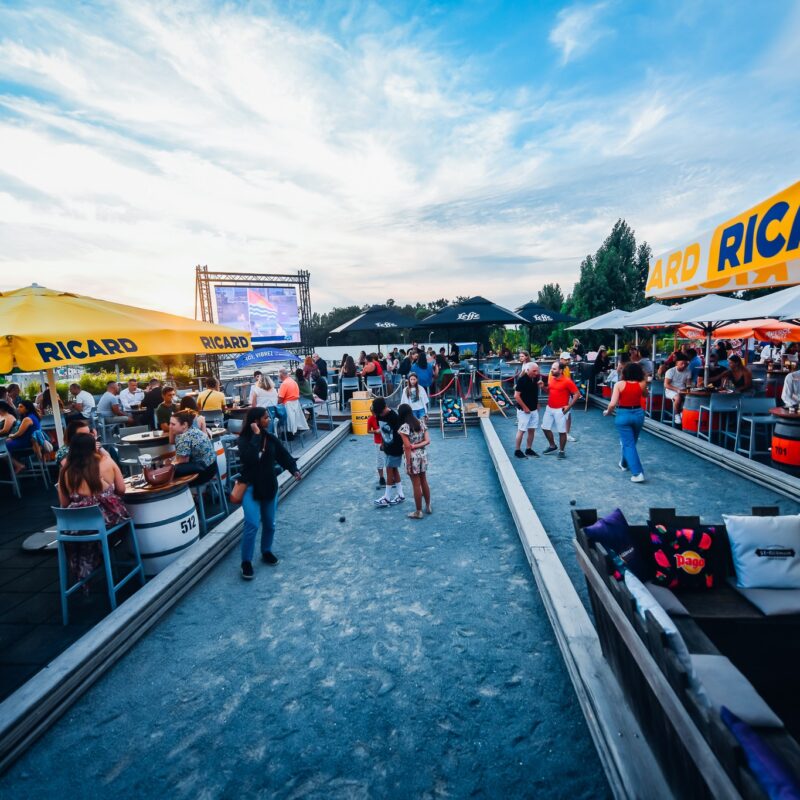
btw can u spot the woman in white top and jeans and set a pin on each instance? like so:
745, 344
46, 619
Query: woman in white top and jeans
415, 396
263, 394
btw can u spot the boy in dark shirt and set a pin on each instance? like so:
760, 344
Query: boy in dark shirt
388, 423
526, 396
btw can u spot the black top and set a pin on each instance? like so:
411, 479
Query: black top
392, 443
322, 366
601, 364
321, 388
454, 353
405, 366
152, 398
259, 456
529, 391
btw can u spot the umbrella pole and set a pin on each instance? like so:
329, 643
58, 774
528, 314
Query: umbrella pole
653, 352
616, 346
51, 379
636, 337
708, 355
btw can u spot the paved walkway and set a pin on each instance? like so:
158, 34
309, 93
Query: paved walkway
383, 657
590, 478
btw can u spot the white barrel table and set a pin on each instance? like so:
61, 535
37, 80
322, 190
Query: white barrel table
153, 443
166, 521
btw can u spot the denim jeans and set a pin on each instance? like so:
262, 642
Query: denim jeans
257, 512
629, 424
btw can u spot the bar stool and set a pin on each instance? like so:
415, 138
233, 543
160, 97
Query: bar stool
12, 480
215, 485
80, 525
721, 405
754, 412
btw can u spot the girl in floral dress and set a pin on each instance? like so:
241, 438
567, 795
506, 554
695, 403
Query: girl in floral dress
88, 479
415, 440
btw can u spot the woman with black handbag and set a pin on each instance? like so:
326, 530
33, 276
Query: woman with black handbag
256, 489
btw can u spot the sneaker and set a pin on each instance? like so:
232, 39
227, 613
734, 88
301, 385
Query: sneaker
531, 453
519, 454
269, 558
622, 467
247, 570
562, 454
571, 438
396, 501
382, 502
549, 450
637, 478
677, 419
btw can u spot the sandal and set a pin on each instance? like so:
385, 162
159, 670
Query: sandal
428, 510
415, 515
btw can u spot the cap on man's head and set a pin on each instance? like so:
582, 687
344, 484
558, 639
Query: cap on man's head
565, 356
602, 347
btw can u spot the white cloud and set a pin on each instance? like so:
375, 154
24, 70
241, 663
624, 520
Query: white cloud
578, 28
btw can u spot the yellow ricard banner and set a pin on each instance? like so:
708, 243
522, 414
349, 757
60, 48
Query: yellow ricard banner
757, 249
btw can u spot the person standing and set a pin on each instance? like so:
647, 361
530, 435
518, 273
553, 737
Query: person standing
526, 396
259, 453
627, 400
562, 394
152, 400
389, 423
416, 439
415, 396
380, 458
321, 364
289, 398
263, 393
423, 370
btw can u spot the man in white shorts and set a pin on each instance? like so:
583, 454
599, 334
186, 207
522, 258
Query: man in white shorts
677, 379
526, 396
562, 394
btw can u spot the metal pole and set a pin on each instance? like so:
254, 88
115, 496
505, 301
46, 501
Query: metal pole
708, 355
51, 379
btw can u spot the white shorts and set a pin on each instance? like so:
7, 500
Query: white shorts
380, 457
554, 418
670, 394
527, 420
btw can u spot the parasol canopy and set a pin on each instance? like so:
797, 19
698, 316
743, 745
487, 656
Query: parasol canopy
610, 321
773, 330
536, 314
377, 318
46, 329
475, 311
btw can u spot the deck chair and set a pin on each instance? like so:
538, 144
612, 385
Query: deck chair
500, 399
451, 416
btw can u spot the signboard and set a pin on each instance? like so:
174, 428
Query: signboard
757, 249
269, 312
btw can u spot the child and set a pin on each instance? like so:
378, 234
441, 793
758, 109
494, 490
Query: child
374, 428
415, 396
389, 422
415, 439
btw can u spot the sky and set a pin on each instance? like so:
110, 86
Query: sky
412, 150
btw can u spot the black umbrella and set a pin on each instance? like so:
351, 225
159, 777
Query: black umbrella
477, 311
536, 314
377, 319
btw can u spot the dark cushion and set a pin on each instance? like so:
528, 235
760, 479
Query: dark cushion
613, 533
768, 768
686, 558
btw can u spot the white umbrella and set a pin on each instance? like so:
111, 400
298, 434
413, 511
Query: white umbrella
632, 320
784, 304
610, 321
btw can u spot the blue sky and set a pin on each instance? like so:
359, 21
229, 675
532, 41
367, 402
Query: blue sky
413, 150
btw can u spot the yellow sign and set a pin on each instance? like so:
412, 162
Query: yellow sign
757, 249
46, 329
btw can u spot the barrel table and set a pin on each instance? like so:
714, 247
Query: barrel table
786, 441
690, 413
774, 382
165, 519
156, 444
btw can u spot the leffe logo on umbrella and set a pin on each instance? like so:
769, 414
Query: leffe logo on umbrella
467, 316
542, 318
385, 325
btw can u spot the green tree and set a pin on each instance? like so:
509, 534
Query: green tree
550, 296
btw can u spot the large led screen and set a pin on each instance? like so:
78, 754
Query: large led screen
269, 312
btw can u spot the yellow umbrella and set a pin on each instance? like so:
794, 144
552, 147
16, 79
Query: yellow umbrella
43, 329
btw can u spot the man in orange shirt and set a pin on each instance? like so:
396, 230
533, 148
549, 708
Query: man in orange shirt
562, 394
289, 397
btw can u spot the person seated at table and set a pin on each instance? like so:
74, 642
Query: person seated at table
20, 442
737, 373
577, 351
190, 404
12, 394
320, 390
44, 402
321, 364
678, 379
721, 352
790, 396
547, 350
289, 398
89, 479
348, 369
194, 451
600, 365
639, 356
362, 358
84, 426
109, 407
303, 384
372, 367
308, 369
716, 372
81, 403
669, 362
211, 398
263, 393
131, 395
8, 418
166, 409
444, 371
790, 352
769, 352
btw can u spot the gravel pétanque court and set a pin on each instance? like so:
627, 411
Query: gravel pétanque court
590, 476
383, 657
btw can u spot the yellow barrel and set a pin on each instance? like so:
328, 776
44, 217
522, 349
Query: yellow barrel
486, 398
360, 412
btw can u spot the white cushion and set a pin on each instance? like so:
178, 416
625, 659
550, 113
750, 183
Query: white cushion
726, 686
765, 550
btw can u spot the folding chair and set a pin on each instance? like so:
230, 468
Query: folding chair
500, 399
451, 415
79, 525
235, 425
346, 385
215, 485
214, 419
5, 456
374, 384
